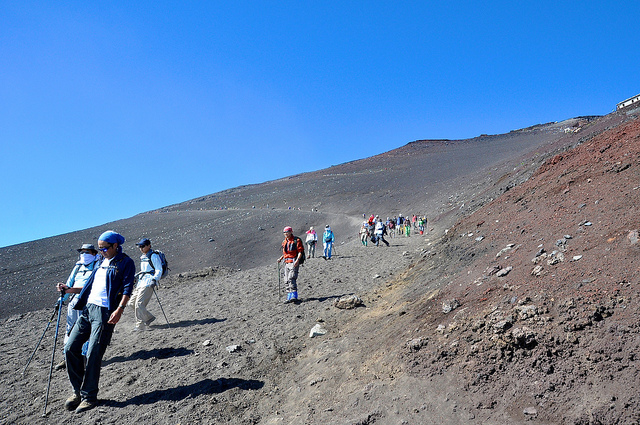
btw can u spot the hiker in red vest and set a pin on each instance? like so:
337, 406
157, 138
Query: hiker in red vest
292, 251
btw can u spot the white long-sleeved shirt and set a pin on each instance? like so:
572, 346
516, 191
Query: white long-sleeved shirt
379, 228
148, 273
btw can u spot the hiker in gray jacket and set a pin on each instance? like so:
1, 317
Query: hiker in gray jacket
148, 278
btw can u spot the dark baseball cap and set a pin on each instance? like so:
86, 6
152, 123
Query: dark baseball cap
144, 242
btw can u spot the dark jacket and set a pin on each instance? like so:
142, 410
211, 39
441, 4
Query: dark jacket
119, 281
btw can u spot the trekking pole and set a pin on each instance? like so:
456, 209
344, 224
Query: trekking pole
161, 309
278, 265
55, 311
53, 353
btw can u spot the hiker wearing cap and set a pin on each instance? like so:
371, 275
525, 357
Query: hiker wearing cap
312, 239
327, 239
148, 278
292, 251
101, 301
81, 272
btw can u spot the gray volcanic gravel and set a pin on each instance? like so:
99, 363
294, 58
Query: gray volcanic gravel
441, 337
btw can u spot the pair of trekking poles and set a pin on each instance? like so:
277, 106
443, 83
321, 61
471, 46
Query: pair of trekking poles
58, 312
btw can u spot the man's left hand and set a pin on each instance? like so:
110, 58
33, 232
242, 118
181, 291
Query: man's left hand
115, 316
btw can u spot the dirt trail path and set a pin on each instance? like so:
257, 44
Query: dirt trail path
168, 376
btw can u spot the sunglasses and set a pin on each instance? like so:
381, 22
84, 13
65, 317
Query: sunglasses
105, 249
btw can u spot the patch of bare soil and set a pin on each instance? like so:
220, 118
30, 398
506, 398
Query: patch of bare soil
539, 318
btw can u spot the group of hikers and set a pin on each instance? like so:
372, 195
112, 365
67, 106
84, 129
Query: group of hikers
293, 255
103, 283
374, 229
99, 288
327, 242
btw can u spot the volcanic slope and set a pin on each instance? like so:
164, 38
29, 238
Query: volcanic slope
441, 337
240, 228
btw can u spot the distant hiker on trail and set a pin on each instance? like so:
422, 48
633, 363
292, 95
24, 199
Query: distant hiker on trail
79, 275
327, 239
392, 226
102, 301
149, 276
400, 224
421, 223
364, 233
380, 231
312, 239
407, 227
292, 254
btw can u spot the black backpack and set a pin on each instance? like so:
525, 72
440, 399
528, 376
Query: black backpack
304, 255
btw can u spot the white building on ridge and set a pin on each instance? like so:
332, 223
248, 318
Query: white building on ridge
628, 102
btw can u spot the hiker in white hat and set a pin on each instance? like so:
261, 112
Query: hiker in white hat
327, 239
312, 239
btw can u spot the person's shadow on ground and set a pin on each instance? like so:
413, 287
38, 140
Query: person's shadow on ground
158, 353
185, 323
322, 299
206, 386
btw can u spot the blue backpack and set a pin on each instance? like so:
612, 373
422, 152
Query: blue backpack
163, 260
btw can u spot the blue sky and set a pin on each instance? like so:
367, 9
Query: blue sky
98, 98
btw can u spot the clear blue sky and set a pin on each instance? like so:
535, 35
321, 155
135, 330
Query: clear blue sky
211, 95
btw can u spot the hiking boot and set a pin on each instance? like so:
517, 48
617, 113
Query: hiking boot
72, 402
140, 328
85, 405
61, 365
292, 297
150, 320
